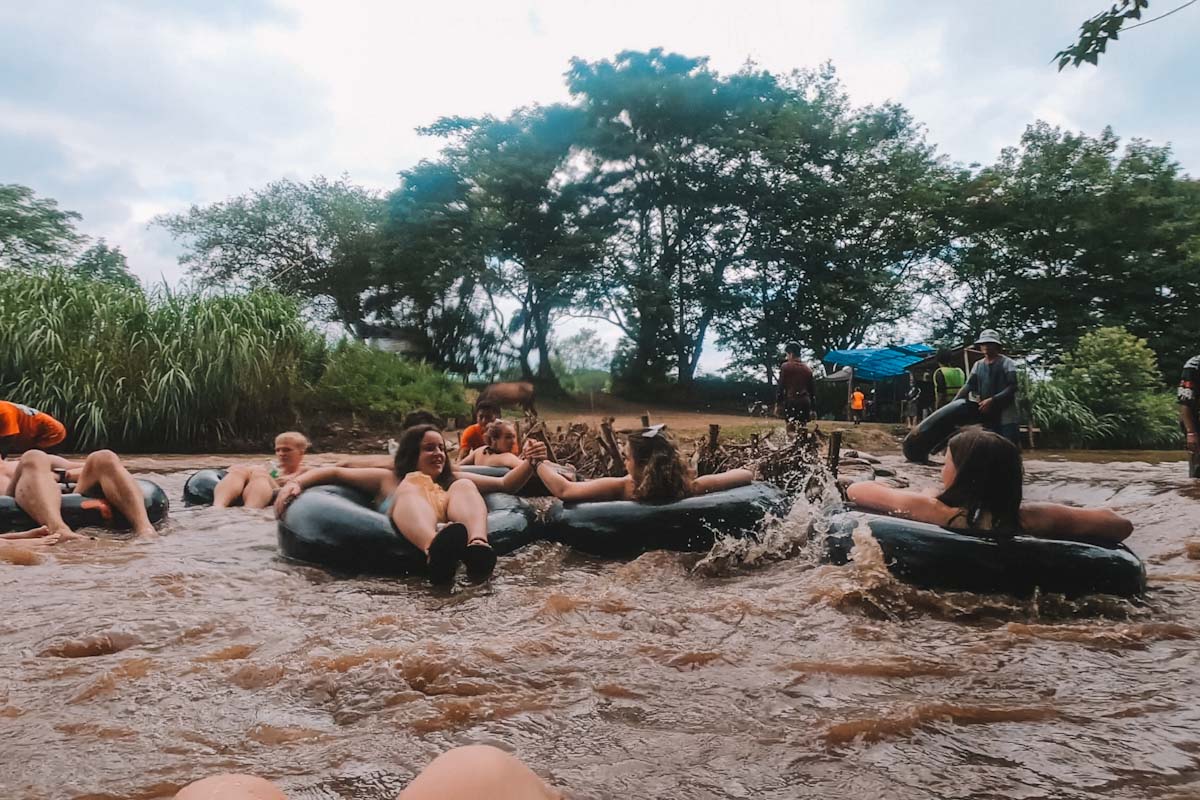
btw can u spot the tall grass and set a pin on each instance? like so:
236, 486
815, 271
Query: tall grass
162, 371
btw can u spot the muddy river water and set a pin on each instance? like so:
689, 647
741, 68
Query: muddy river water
129, 668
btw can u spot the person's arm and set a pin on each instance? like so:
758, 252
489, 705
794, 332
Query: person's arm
939, 382
1055, 521
366, 479
971, 385
367, 462
516, 477
591, 491
874, 496
1188, 418
730, 479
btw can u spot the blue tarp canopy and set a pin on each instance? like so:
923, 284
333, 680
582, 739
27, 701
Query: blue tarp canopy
879, 363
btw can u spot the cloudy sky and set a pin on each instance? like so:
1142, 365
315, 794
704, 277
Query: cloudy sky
123, 110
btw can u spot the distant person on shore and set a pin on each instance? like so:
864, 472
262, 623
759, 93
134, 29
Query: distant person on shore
486, 412
472, 772
981, 492
947, 378
36, 485
912, 411
1189, 381
23, 428
993, 384
255, 484
655, 473
858, 404
436, 508
797, 388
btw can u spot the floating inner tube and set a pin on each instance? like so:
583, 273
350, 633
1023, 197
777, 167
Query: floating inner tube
337, 527
82, 511
198, 491
624, 529
936, 429
936, 558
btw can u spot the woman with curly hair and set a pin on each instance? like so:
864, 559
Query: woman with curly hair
656, 473
435, 507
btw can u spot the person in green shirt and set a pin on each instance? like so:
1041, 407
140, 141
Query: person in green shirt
947, 379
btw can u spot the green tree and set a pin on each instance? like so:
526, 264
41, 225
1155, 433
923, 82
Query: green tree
1066, 233
850, 203
1109, 369
314, 240
103, 263
527, 216
34, 232
666, 156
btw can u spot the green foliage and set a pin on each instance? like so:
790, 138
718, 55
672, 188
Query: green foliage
361, 378
314, 240
1108, 370
1107, 393
1067, 233
33, 231
1095, 33
163, 371
103, 263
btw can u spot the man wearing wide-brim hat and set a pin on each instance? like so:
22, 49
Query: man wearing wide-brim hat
993, 384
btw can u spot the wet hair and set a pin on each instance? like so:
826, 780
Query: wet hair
294, 437
792, 349
987, 479
494, 431
945, 358
409, 450
659, 472
487, 405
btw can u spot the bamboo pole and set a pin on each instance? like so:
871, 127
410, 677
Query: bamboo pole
835, 451
610, 443
714, 433
646, 420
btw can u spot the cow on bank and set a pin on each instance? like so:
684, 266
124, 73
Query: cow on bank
512, 393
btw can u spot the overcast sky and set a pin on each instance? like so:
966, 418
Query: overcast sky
123, 110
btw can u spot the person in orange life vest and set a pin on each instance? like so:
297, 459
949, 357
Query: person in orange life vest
858, 402
23, 428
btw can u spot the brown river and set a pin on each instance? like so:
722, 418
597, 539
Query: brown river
131, 668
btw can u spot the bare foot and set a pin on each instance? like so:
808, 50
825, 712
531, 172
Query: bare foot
149, 533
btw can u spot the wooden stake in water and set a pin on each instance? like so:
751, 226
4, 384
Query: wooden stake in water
835, 451
714, 433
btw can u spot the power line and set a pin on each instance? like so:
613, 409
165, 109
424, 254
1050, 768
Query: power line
1161, 16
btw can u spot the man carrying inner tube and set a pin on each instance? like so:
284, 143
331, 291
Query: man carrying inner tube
1186, 395
993, 384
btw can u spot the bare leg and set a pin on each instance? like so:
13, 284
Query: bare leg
230, 787
467, 506
102, 468
37, 492
477, 771
35, 533
259, 489
414, 517
230, 488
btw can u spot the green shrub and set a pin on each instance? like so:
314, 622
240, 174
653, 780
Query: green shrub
125, 369
359, 378
1107, 393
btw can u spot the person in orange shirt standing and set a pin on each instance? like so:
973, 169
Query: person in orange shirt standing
858, 402
23, 428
